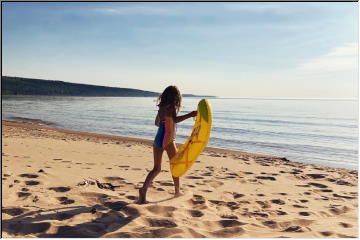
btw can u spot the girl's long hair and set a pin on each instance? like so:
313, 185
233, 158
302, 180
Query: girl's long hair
170, 96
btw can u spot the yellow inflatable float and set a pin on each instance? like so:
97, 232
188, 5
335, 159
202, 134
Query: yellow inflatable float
195, 144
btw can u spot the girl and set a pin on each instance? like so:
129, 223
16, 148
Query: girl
166, 119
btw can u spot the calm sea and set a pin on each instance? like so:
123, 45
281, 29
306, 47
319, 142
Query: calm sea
323, 132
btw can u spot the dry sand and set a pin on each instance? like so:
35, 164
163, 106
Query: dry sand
48, 190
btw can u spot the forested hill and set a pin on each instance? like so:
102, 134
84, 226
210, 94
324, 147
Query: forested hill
28, 86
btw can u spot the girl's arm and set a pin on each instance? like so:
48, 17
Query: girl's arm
184, 117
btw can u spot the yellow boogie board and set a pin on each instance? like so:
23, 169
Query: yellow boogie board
195, 144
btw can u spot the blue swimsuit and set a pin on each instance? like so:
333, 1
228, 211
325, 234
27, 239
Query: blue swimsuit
159, 138
166, 133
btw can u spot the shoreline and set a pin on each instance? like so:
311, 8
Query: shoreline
35, 125
39, 124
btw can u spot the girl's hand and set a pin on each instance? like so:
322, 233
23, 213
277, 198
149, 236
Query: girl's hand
193, 114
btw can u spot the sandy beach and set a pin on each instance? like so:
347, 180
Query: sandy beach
63, 183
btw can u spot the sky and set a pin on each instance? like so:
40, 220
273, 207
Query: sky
228, 49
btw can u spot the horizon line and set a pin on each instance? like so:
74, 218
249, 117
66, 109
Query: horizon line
212, 96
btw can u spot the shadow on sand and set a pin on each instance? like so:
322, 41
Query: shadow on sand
110, 217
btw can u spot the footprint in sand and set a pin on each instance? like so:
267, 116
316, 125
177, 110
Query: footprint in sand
31, 183
294, 229
281, 213
23, 194
206, 174
255, 214
304, 214
165, 223
232, 205
194, 177
229, 216
65, 200
341, 196
130, 197
60, 189
319, 185
263, 204
207, 191
271, 224
299, 206
345, 225
278, 201
341, 182
230, 223
326, 234
326, 190
316, 176
196, 213
26, 175
166, 184
197, 199
338, 211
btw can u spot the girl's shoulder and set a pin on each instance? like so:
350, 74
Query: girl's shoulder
167, 110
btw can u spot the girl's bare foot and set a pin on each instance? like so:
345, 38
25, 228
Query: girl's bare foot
142, 197
178, 194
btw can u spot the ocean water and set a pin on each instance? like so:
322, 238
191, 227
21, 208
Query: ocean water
323, 132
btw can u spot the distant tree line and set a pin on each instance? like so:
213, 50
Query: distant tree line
29, 86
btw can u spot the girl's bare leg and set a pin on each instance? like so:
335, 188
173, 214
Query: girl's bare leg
152, 174
171, 151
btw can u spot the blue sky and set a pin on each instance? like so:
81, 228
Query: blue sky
229, 49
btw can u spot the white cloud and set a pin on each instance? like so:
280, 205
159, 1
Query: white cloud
338, 59
143, 10
197, 9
